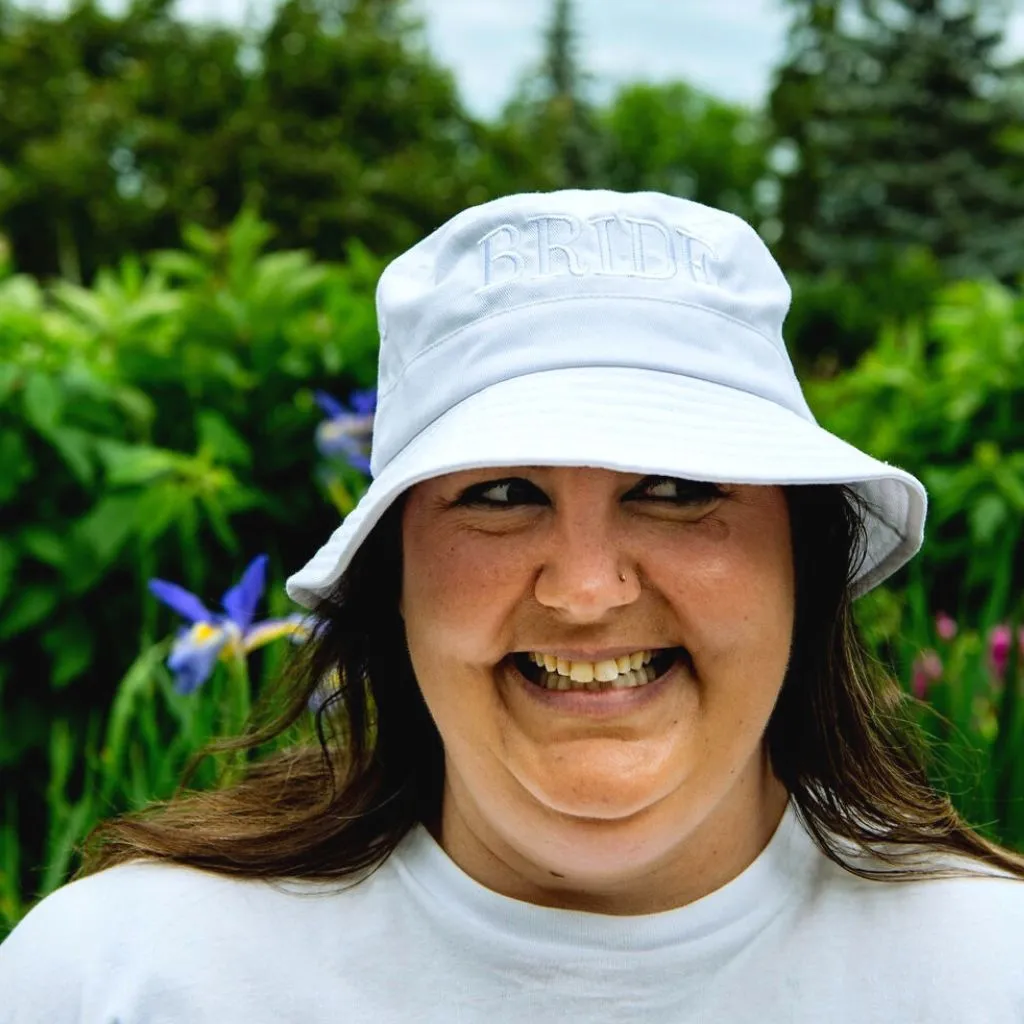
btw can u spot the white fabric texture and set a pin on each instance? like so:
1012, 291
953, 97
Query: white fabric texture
792, 939
629, 331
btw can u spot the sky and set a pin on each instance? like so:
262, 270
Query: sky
727, 47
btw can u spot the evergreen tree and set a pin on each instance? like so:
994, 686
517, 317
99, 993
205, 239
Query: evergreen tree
906, 133
552, 114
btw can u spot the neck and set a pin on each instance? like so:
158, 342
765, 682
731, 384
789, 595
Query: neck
629, 875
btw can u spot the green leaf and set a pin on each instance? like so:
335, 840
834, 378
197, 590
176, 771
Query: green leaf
219, 523
200, 240
174, 264
8, 563
157, 507
137, 685
987, 517
74, 447
10, 377
221, 440
1010, 484
71, 647
15, 465
28, 608
106, 528
43, 403
44, 545
82, 304
136, 464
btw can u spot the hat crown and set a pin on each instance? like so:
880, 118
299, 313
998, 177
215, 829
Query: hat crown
511, 287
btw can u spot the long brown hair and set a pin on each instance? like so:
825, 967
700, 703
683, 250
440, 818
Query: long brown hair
841, 739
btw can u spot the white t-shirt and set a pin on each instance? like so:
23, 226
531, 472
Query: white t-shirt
794, 938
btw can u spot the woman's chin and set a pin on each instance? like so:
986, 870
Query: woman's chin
594, 777
595, 800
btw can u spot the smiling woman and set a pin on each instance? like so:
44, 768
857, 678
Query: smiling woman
607, 745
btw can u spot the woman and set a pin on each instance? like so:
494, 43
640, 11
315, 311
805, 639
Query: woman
610, 748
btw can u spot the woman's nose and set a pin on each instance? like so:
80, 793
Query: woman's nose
586, 572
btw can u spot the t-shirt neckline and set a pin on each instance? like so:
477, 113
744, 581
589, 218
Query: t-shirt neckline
772, 878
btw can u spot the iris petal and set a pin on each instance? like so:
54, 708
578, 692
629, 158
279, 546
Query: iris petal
329, 404
194, 655
241, 600
364, 401
183, 601
349, 438
270, 629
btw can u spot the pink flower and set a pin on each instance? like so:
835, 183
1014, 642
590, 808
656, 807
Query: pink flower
927, 670
999, 647
945, 626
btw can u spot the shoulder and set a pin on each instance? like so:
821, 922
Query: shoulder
106, 915
147, 925
129, 896
972, 916
149, 898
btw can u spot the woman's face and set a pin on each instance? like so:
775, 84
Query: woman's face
584, 781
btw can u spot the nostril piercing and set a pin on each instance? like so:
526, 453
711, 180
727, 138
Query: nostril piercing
622, 577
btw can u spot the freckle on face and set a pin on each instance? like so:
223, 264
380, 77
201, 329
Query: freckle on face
722, 588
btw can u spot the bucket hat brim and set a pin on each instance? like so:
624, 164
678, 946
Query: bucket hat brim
643, 421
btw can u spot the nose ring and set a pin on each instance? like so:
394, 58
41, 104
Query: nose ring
622, 577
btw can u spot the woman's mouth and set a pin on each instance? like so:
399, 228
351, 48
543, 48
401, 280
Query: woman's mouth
627, 672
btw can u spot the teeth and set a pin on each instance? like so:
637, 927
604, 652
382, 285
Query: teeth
624, 672
582, 672
625, 681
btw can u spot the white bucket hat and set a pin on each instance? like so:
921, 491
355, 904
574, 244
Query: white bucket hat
629, 331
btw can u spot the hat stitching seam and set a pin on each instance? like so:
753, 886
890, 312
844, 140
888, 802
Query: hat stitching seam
579, 298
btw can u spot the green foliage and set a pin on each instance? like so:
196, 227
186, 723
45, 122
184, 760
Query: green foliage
552, 116
119, 130
835, 318
942, 397
160, 423
129, 756
971, 708
673, 138
897, 143
904, 130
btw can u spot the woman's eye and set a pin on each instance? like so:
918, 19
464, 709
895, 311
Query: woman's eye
503, 493
677, 491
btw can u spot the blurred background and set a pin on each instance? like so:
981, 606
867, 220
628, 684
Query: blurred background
196, 200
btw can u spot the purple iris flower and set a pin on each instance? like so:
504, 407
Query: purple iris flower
213, 636
348, 429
